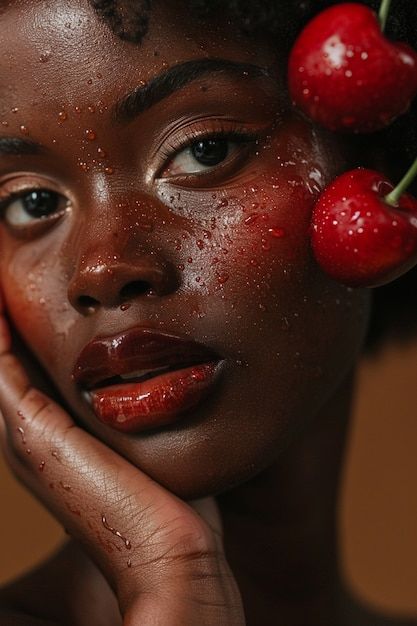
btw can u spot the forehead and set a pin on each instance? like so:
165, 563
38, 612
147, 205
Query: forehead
60, 49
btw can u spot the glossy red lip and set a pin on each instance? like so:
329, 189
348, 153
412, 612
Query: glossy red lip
143, 378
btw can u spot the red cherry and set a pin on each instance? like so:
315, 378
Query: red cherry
357, 237
344, 74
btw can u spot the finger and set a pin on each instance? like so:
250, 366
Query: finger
133, 528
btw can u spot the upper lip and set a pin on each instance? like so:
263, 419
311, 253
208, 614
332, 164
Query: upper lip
136, 349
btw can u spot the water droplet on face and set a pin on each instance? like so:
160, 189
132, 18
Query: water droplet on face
285, 324
146, 227
90, 134
125, 306
101, 153
77, 109
276, 232
83, 165
200, 244
24, 130
222, 278
108, 170
42, 466
62, 116
4, 123
28, 451
251, 219
91, 108
15, 110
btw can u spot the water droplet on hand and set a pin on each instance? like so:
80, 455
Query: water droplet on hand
22, 434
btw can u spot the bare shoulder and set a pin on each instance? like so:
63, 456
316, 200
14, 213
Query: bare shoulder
67, 589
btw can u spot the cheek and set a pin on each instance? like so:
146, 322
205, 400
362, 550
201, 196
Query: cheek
35, 297
252, 235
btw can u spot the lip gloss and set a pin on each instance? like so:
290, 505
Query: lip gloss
133, 407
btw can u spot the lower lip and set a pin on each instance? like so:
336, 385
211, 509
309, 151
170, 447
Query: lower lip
133, 407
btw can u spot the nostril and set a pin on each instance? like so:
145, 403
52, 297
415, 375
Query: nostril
87, 302
135, 288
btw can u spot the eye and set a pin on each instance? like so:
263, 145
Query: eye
28, 207
202, 155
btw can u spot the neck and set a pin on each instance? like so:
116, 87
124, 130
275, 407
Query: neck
286, 520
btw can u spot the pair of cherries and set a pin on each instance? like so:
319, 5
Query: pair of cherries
347, 76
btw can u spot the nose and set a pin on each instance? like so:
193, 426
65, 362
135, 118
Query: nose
103, 279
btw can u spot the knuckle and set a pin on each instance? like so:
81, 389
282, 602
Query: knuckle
190, 541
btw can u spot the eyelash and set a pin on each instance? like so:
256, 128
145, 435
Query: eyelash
233, 132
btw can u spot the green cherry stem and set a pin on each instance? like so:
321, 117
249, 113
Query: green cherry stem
393, 197
383, 13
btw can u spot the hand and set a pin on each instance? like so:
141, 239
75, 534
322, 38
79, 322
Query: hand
163, 558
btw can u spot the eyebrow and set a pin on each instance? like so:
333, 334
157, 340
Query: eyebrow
175, 78
16, 146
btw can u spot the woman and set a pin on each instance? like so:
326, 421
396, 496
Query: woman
156, 193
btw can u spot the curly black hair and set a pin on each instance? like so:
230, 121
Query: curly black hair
394, 310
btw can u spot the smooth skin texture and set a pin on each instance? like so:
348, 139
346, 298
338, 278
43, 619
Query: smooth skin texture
224, 254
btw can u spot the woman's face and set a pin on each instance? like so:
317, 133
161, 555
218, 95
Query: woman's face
181, 215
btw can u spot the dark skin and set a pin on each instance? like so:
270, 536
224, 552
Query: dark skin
133, 207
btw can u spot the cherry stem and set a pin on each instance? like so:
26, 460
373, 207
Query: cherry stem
393, 197
383, 13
